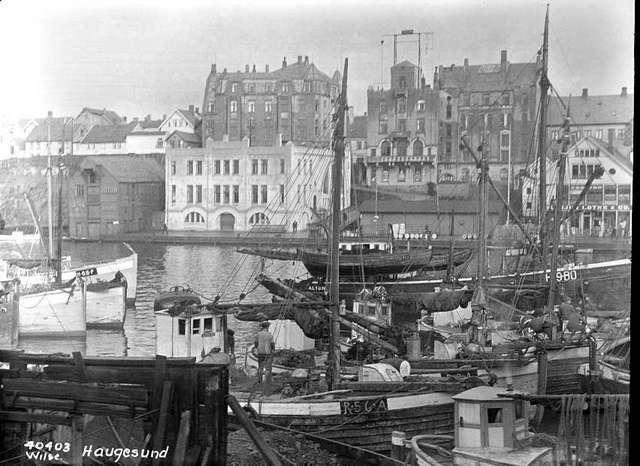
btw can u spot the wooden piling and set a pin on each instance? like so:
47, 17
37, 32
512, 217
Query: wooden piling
161, 427
542, 372
77, 442
398, 451
183, 438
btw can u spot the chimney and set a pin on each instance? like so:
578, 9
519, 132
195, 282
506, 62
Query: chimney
125, 118
49, 114
266, 68
466, 65
503, 59
585, 92
299, 59
147, 118
224, 71
246, 68
624, 92
306, 59
254, 69
423, 82
191, 108
198, 110
213, 68
284, 62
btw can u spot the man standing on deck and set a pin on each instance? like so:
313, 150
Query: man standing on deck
264, 347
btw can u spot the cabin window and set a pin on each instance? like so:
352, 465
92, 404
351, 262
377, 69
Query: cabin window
196, 326
181, 327
494, 415
208, 323
520, 409
371, 310
383, 310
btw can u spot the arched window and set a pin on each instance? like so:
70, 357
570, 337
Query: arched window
401, 147
385, 149
258, 219
194, 217
418, 147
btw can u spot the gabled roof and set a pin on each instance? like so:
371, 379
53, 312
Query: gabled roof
614, 152
358, 127
299, 71
126, 168
593, 110
99, 134
149, 124
192, 117
191, 138
488, 77
43, 132
110, 115
404, 63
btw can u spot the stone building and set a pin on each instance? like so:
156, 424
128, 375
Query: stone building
607, 204
295, 101
408, 126
235, 186
497, 104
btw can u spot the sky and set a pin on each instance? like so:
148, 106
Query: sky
141, 57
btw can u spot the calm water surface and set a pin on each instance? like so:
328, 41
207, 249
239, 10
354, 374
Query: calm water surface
209, 270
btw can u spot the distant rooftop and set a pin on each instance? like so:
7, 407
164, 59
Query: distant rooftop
588, 109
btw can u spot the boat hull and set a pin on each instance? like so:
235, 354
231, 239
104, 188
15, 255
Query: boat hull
106, 305
366, 422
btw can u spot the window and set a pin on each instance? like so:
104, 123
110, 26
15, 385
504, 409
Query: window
227, 167
281, 194
233, 106
448, 112
264, 164
599, 133
610, 193
236, 194
225, 194
306, 86
268, 107
575, 171
401, 105
159, 143
254, 167
80, 190
402, 125
236, 167
486, 99
199, 167
189, 194
208, 324
587, 132
194, 217
190, 167
417, 174
402, 174
383, 127
285, 87
383, 108
263, 194
210, 108
216, 194
620, 133
403, 82
216, 166
234, 87
506, 99
196, 326
282, 166
385, 149
466, 99
624, 194
251, 107
181, 327
421, 106
198, 194
494, 415
385, 176
418, 147
254, 194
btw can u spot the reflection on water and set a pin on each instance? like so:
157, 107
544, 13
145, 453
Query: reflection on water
209, 270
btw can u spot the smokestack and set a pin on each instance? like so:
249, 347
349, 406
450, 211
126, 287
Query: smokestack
624, 92
284, 62
306, 59
254, 69
503, 59
213, 68
466, 65
266, 68
585, 92
299, 59
246, 68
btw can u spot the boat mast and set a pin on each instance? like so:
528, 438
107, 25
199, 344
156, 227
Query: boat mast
336, 214
49, 188
482, 255
59, 217
542, 159
37, 224
562, 160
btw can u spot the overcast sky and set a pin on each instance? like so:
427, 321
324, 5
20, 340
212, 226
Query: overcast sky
141, 57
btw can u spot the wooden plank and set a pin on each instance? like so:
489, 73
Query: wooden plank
17, 416
108, 393
158, 438
105, 361
96, 409
183, 437
77, 444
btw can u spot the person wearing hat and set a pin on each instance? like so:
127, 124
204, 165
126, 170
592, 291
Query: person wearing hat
265, 347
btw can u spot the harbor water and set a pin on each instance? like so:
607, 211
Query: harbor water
208, 270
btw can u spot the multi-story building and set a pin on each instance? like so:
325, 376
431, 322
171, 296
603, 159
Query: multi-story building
357, 140
89, 117
232, 185
608, 202
112, 194
496, 108
608, 118
50, 136
105, 139
295, 101
408, 125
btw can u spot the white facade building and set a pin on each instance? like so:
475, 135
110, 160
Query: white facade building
229, 186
